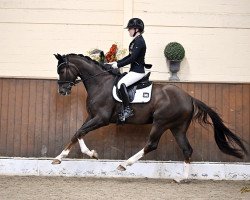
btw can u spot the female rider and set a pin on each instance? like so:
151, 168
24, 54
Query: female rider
136, 57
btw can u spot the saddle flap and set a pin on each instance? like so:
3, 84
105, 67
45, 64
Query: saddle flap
131, 93
137, 94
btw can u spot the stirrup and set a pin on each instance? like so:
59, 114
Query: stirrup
121, 117
126, 113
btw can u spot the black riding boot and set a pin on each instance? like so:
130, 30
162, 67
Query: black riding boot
127, 112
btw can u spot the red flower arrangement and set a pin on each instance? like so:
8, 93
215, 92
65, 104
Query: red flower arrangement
110, 56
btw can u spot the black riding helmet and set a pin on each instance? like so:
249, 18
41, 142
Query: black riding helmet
136, 23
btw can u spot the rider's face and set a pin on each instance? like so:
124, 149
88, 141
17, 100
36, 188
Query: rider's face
131, 32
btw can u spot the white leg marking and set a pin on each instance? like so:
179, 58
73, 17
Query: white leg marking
186, 170
62, 155
84, 148
133, 159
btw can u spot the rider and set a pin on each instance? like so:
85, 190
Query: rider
137, 50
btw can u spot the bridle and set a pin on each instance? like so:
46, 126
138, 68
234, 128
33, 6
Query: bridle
70, 83
73, 83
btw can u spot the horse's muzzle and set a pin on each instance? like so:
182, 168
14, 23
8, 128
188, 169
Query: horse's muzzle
64, 91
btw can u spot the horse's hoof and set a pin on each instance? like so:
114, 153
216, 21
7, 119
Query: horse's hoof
177, 180
95, 154
56, 162
121, 168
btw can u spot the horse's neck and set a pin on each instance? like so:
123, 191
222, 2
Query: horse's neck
94, 77
98, 84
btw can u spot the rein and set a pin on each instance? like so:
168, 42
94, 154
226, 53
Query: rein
71, 83
95, 75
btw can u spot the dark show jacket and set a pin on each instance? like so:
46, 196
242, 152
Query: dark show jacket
136, 57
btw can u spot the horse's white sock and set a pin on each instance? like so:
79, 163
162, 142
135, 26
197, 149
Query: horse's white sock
133, 159
186, 170
84, 148
63, 154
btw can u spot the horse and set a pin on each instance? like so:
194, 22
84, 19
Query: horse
169, 108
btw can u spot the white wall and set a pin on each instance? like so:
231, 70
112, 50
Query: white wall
32, 31
215, 34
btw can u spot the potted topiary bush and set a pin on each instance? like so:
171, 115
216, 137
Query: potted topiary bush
174, 52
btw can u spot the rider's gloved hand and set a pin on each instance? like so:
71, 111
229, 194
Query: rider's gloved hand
114, 65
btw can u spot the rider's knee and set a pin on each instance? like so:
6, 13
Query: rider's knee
120, 84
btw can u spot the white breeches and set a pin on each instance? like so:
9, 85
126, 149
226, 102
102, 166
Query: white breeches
130, 78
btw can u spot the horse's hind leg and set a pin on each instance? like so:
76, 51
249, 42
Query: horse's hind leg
180, 136
154, 137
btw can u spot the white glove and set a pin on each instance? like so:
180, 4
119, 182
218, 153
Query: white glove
114, 65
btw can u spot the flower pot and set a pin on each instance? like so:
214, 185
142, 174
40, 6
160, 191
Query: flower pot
174, 68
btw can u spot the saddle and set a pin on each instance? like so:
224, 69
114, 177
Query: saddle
139, 92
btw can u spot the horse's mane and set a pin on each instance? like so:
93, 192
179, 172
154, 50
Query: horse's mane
105, 67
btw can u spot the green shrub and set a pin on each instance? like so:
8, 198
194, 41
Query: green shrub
174, 51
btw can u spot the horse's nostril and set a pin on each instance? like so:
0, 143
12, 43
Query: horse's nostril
61, 92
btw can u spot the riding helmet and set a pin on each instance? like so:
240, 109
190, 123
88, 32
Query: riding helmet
136, 23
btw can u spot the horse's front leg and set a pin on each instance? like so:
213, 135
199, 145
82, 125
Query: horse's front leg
89, 125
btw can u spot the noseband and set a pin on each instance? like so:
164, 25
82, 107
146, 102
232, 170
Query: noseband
70, 83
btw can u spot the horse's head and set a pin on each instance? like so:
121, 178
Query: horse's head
68, 74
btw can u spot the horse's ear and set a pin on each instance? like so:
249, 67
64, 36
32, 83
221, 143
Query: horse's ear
59, 57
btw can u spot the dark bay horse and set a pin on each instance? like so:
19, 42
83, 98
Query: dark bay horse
169, 108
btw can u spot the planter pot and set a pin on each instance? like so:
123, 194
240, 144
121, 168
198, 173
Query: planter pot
174, 68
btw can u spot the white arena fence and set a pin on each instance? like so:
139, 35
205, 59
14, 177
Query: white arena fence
141, 169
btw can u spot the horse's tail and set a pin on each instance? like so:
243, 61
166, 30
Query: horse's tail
225, 139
